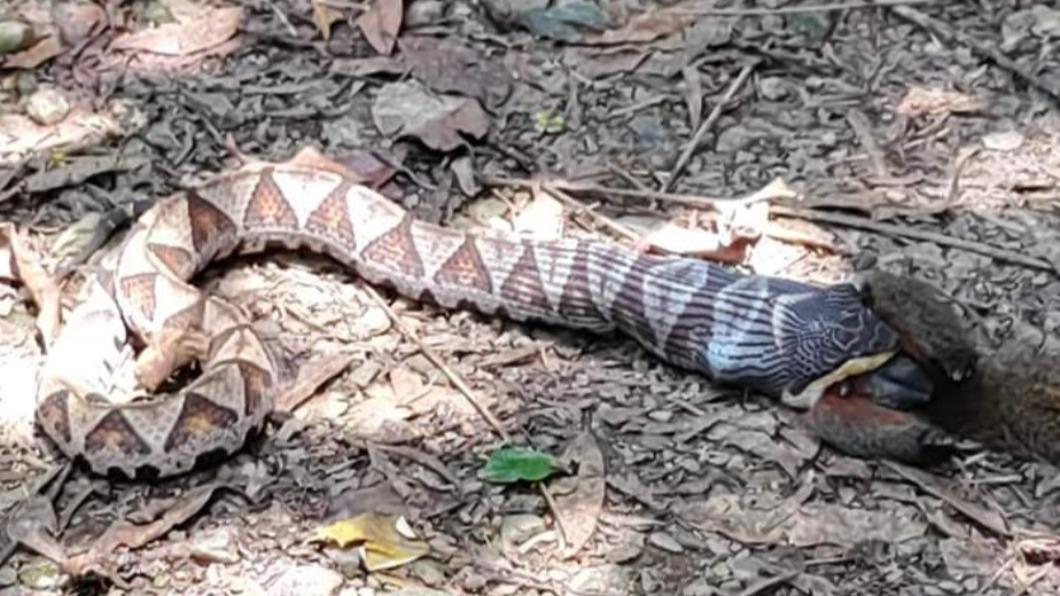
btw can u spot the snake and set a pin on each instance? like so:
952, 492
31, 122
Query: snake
139, 318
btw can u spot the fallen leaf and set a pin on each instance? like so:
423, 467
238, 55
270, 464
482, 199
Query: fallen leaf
36, 54
311, 375
325, 15
77, 20
1009, 140
384, 540
182, 39
647, 26
581, 508
410, 109
133, 536
693, 95
565, 22
32, 523
542, 218
513, 464
920, 101
24, 262
362, 67
449, 66
380, 24
674, 239
933, 485
21, 137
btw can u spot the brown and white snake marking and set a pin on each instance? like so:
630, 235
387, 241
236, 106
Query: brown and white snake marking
776, 336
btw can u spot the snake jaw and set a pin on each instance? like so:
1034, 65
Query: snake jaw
814, 390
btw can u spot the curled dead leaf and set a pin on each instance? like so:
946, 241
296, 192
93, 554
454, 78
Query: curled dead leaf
182, 39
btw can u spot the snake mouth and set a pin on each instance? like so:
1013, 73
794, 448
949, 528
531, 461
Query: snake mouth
889, 379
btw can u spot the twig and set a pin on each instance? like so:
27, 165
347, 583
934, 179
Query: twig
750, 12
860, 123
437, 361
551, 502
946, 32
769, 583
905, 232
707, 124
580, 209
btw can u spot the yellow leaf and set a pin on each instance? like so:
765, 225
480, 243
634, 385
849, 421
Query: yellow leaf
384, 539
325, 15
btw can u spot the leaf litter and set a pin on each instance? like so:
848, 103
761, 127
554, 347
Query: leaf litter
676, 486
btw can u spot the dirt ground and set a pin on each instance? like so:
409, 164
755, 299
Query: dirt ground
917, 137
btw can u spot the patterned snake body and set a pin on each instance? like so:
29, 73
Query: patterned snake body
772, 335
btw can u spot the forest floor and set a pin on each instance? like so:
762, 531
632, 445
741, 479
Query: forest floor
916, 137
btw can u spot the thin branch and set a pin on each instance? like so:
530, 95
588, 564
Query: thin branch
751, 12
436, 360
707, 124
907, 232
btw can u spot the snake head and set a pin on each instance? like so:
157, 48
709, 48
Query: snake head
1007, 398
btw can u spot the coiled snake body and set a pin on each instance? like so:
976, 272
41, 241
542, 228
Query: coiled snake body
776, 336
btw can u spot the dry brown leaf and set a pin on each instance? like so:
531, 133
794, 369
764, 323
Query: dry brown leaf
182, 39
77, 20
21, 136
124, 533
311, 375
410, 109
933, 485
35, 55
646, 27
448, 66
581, 508
29, 269
325, 15
381, 23
920, 101
32, 524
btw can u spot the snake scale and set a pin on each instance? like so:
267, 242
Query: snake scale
776, 336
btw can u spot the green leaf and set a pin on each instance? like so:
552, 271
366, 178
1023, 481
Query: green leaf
512, 464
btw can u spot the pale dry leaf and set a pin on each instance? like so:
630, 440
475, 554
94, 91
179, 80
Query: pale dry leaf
448, 66
381, 23
134, 536
1008, 140
410, 109
674, 239
921, 101
647, 26
77, 20
182, 39
581, 508
325, 15
20, 136
693, 95
542, 218
35, 55
311, 375
30, 270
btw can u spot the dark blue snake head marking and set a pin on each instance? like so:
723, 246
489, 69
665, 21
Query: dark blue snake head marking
787, 334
